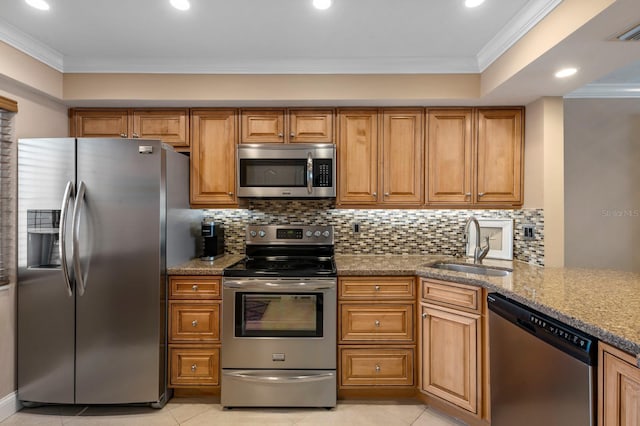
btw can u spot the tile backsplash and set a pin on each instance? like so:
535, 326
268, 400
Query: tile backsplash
381, 231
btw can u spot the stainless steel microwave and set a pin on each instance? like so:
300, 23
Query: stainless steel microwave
287, 170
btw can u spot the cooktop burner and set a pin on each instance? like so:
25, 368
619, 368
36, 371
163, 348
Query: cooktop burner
286, 251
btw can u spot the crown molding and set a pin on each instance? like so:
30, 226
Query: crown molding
515, 29
32, 47
366, 65
602, 91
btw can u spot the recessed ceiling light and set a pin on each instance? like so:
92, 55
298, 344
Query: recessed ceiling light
180, 4
322, 4
566, 72
38, 4
473, 3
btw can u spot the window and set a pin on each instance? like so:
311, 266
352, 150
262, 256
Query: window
8, 109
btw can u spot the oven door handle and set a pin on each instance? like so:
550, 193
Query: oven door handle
274, 286
282, 377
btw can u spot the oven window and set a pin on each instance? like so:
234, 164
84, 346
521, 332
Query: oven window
278, 314
273, 173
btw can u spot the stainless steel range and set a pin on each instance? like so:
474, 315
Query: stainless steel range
279, 320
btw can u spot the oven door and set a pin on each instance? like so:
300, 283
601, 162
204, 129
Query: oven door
279, 323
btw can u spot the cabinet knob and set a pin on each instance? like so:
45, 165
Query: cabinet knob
194, 287
135, 135
424, 315
468, 194
293, 135
377, 368
375, 194
194, 323
386, 194
480, 194
377, 323
230, 194
123, 135
194, 367
377, 288
280, 134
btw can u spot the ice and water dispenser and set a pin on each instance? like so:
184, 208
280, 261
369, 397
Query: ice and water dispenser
43, 245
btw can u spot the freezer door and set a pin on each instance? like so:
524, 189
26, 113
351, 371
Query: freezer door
120, 326
46, 168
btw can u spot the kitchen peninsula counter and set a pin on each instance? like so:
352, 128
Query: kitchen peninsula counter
604, 303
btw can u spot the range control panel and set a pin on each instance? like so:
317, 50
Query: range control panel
561, 332
289, 234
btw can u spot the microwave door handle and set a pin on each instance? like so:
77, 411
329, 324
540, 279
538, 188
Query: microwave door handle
309, 173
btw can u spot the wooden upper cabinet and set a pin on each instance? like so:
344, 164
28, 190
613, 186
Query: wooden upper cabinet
357, 148
170, 126
213, 158
260, 126
106, 123
449, 156
402, 147
500, 152
311, 126
287, 126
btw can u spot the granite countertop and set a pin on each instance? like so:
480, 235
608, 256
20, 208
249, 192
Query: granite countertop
603, 303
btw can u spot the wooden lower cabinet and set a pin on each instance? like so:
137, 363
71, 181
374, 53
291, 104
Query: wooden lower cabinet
376, 336
453, 353
194, 332
618, 388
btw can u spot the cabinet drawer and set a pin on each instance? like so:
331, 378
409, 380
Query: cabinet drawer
194, 366
377, 288
376, 367
194, 287
451, 294
193, 321
380, 322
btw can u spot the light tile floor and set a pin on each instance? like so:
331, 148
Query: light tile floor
207, 411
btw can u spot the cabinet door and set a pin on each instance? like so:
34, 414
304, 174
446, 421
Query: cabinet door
449, 153
213, 158
170, 126
311, 126
402, 164
376, 322
357, 148
619, 389
450, 356
376, 366
500, 156
108, 123
193, 366
259, 126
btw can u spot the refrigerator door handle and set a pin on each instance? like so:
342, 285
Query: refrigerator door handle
62, 237
76, 240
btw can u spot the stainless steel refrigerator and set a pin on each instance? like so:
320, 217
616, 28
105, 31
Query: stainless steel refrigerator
99, 220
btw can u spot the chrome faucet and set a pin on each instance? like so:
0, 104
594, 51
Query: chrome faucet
479, 252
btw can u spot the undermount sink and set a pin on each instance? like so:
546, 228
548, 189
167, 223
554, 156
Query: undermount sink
472, 269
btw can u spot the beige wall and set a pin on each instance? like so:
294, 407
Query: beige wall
20, 67
543, 172
602, 175
37, 117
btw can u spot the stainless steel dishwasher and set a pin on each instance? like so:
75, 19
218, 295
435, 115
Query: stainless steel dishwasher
542, 371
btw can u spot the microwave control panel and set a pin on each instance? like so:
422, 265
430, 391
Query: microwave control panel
322, 172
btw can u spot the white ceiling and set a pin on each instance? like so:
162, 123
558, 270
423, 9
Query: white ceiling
269, 36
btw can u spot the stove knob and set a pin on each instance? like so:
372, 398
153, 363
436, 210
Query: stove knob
325, 234
253, 233
309, 234
262, 234
317, 234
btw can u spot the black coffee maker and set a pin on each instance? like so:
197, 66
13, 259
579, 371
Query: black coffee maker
212, 240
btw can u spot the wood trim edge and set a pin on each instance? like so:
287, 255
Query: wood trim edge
8, 104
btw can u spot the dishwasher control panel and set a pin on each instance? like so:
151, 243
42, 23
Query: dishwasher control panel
561, 332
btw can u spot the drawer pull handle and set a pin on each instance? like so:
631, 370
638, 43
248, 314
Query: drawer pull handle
424, 315
194, 323
377, 288
377, 323
194, 287
377, 368
194, 367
